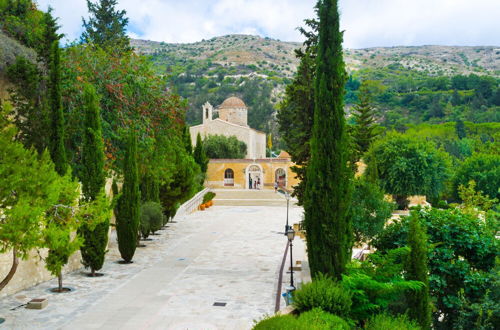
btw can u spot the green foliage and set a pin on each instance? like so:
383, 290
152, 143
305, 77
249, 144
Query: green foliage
183, 183
364, 117
295, 119
31, 114
407, 166
371, 295
208, 196
61, 224
151, 218
186, 137
460, 262
200, 156
369, 210
474, 202
29, 187
128, 208
223, 147
484, 169
416, 270
328, 186
93, 230
315, 319
92, 174
94, 215
56, 143
323, 293
106, 27
386, 321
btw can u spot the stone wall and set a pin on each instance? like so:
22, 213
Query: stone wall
269, 166
32, 271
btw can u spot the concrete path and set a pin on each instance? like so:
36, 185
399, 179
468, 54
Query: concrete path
226, 254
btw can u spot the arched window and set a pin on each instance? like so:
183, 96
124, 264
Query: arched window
228, 177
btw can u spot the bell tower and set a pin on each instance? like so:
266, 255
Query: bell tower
207, 112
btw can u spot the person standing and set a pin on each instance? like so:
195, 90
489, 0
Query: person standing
258, 183
250, 182
275, 186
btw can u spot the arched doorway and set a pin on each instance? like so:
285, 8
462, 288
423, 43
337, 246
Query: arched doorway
280, 177
229, 177
254, 177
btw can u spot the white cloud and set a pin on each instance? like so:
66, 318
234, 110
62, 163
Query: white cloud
367, 23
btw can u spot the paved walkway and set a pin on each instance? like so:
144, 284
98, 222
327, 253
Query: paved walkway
226, 254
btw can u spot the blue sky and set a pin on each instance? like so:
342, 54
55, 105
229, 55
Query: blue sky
367, 23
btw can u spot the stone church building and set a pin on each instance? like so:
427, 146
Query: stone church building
255, 171
232, 121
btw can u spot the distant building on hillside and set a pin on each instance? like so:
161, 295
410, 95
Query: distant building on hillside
254, 172
232, 121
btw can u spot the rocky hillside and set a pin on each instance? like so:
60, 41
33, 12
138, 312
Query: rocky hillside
278, 56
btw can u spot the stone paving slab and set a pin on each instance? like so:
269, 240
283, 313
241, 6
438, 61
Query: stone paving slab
223, 254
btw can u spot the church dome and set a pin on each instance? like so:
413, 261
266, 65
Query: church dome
232, 103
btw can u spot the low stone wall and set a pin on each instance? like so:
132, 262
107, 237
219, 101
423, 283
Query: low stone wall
32, 271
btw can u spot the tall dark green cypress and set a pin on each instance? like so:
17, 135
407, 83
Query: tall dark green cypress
364, 131
56, 144
199, 154
416, 270
93, 179
329, 188
128, 217
186, 136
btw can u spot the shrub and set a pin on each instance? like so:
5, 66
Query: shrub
208, 197
151, 218
384, 322
324, 293
315, 319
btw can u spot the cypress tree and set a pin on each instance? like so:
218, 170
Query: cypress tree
187, 140
365, 123
416, 269
460, 129
328, 189
295, 116
127, 217
199, 154
93, 179
56, 144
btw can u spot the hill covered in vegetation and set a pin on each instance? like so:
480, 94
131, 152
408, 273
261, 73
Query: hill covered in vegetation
415, 84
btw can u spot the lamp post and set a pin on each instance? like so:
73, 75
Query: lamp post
291, 235
287, 196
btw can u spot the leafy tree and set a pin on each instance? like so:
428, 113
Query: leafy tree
199, 154
364, 117
106, 27
93, 178
29, 186
370, 210
460, 261
151, 218
295, 118
183, 183
484, 169
57, 147
407, 166
128, 215
416, 270
328, 189
57, 235
223, 147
